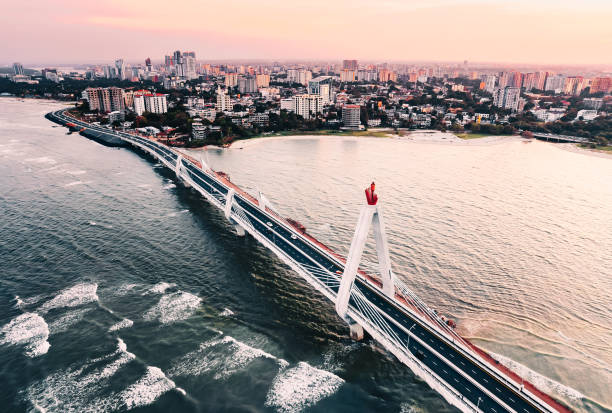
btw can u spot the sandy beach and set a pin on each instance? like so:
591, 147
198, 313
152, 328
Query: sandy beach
431, 137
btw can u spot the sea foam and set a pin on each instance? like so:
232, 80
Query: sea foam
147, 389
68, 320
125, 323
300, 387
29, 330
77, 389
72, 297
223, 357
173, 307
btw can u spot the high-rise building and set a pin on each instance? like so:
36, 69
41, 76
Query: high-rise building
304, 76
300, 76
177, 57
529, 81
189, 67
117, 99
504, 78
351, 116
507, 98
287, 104
555, 83
139, 103
262, 80
348, 75
573, 85
540, 80
307, 105
517, 80
18, 69
231, 79
148, 64
168, 61
224, 103
601, 84
322, 86
385, 75
247, 84
349, 64
100, 99
120, 67
156, 103
489, 82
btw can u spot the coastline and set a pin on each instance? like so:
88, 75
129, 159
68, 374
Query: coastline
425, 136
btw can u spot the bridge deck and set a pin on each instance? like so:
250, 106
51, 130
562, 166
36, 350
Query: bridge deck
466, 375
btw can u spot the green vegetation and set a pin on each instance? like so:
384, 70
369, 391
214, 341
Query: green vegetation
596, 147
472, 135
327, 132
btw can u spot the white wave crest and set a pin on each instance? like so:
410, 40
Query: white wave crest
542, 382
124, 289
226, 313
76, 389
222, 356
73, 297
26, 302
173, 307
68, 320
125, 323
300, 387
146, 390
161, 287
169, 186
29, 330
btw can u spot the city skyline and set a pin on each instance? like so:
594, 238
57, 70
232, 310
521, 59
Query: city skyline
555, 33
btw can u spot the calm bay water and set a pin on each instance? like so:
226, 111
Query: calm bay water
121, 289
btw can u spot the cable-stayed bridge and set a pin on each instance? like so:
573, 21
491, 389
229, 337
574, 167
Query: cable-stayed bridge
369, 298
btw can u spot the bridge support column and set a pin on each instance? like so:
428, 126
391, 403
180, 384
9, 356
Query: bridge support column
355, 331
229, 201
178, 169
353, 259
370, 215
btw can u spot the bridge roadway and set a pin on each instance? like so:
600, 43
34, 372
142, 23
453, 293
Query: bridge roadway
467, 374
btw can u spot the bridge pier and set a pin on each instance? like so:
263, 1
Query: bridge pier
355, 330
229, 201
177, 171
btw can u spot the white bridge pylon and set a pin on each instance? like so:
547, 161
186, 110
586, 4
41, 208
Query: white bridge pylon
370, 214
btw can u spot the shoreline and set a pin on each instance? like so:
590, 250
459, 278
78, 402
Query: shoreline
429, 137
425, 136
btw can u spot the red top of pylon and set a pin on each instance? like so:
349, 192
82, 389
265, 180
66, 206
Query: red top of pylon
371, 197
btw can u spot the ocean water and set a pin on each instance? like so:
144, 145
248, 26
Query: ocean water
120, 289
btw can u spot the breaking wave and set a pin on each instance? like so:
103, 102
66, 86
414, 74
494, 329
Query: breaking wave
300, 387
29, 330
72, 297
77, 389
222, 356
125, 323
68, 320
173, 307
147, 389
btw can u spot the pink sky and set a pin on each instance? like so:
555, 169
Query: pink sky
521, 31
